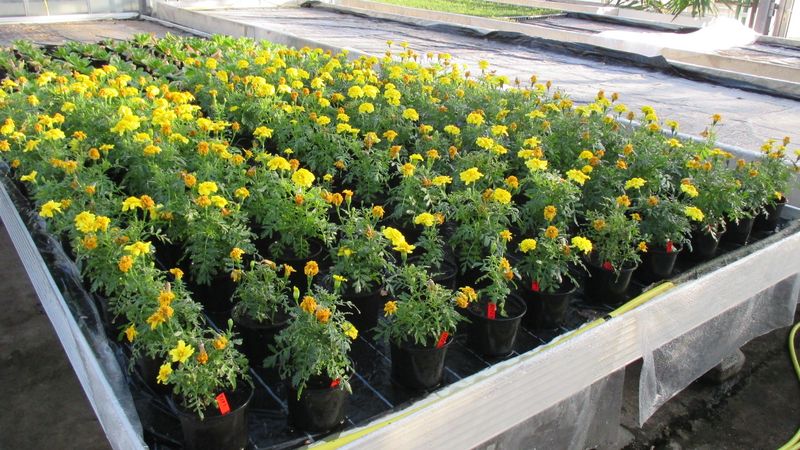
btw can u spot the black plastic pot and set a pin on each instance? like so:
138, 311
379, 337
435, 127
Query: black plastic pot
608, 286
416, 367
216, 431
495, 337
320, 407
369, 304
738, 233
257, 337
657, 263
446, 274
704, 246
547, 310
769, 221
216, 297
298, 263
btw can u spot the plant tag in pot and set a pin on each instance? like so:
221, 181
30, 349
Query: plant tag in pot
335, 383
491, 311
222, 402
535, 286
442, 339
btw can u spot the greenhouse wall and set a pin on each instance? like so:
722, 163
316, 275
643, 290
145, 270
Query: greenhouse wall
43, 8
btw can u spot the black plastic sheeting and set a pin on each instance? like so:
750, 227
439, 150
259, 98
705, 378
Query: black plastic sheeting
588, 51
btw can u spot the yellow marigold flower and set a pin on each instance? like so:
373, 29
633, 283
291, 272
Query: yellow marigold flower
550, 212
220, 342
432, 154
366, 108
349, 330
163, 373
278, 163
577, 176
642, 247
694, 213
288, 270
31, 177
394, 235
404, 247
138, 248
506, 235
470, 175
536, 164
131, 333
218, 201
652, 200
624, 200
586, 154
311, 269
689, 190
323, 315
378, 212
207, 188
242, 193
499, 130
389, 308
484, 142
407, 169
621, 164
165, 297
262, 132
49, 208
181, 352
410, 114
390, 135
425, 219
441, 180
344, 251
674, 143
636, 217
475, 118
452, 130
236, 275
527, 245
501, 196
303, 178
125, 263
85, 222
582, 244
551, 232
54, 135
462, 301
176, 272
715, 118
151, 150
635, 183
308, 304
236, 254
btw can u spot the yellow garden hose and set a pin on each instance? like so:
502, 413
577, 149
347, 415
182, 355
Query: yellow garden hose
794, 443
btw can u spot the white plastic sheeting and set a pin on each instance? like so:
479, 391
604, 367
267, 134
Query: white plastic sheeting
720, 34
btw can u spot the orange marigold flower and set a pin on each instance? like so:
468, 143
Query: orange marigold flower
551, 232
125, 263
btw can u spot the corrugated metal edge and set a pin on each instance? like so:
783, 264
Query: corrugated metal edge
117, 426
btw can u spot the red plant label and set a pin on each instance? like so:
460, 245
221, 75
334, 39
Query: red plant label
535, 286
442, 339
608, 266
491, 311
670, 248
222, 402
335, 383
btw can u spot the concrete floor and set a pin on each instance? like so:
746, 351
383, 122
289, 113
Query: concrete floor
45, 407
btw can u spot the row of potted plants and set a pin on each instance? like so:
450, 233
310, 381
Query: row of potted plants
296, 187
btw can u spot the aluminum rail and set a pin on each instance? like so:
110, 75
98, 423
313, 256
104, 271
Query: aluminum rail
118, 427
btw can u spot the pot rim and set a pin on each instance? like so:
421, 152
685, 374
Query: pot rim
511, 297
